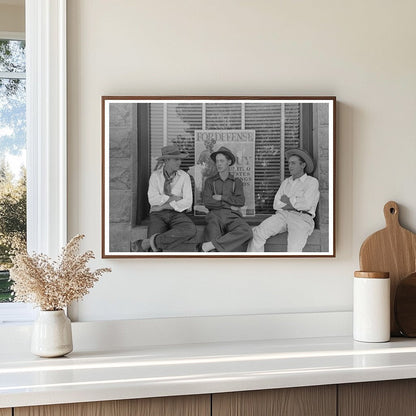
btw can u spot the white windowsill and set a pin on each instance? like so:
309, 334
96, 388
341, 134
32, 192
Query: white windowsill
199, 368
16, 313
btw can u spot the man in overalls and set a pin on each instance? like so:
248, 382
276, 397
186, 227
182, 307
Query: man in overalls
223, 195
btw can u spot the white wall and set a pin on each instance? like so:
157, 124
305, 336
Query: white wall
363, 52
12, 17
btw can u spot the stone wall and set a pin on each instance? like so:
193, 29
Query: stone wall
123, 174
320, 136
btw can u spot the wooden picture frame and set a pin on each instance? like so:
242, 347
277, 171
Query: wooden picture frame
258, 131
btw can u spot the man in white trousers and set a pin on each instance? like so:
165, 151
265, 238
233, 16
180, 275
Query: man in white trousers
295, 204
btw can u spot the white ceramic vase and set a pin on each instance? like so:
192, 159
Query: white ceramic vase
52, 334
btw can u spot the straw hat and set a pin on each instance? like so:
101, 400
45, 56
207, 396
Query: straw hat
310, 166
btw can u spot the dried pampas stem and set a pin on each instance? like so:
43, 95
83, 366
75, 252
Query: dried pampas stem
53, 285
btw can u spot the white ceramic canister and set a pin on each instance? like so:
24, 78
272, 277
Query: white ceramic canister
371, 310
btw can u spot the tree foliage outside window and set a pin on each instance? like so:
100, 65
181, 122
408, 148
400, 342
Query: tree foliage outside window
12, 156
12, 98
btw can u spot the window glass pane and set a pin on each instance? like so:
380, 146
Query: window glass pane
223, 116
12, 157
5, 291
12, 56
183, 120
292, 130
156, 133
13, 121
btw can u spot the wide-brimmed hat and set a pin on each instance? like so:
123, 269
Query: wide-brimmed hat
226, 152
310, 166
172, 151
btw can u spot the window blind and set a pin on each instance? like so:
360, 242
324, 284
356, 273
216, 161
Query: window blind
265, 119
183, 120
223, 116
156, 132
292, 129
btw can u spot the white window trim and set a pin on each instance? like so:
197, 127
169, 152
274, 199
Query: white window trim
12, 35
46, 125
46, 134
13, 75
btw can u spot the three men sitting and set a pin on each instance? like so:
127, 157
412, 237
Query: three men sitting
170, 197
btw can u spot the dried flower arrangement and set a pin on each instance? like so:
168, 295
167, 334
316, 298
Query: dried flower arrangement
53, 285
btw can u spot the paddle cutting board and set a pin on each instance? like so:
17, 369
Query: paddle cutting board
393, 250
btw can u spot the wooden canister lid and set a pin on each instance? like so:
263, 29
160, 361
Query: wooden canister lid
372, 275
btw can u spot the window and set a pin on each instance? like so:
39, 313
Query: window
46, 135
12, 155
277, 126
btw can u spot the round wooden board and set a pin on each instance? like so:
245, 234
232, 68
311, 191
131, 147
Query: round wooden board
405, 306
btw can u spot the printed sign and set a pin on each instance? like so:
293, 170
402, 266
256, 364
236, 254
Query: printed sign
241, 143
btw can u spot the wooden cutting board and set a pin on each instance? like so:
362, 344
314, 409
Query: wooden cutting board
393, 250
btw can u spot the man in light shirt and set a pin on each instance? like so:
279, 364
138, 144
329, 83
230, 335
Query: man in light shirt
295, 204
170, 197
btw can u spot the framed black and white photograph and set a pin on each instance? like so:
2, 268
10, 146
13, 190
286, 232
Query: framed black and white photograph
218, 177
